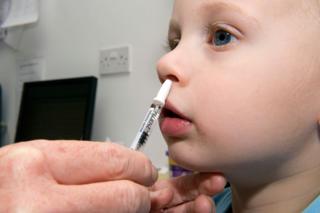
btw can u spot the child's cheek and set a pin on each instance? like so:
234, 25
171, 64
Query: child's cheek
257, 111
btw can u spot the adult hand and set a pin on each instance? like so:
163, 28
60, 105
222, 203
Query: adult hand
73, 176
190, 193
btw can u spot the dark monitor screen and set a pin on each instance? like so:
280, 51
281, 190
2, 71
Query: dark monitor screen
57, 109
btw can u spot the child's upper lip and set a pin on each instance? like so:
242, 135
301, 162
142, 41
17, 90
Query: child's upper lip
169, 107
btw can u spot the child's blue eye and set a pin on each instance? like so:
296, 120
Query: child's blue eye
222, 37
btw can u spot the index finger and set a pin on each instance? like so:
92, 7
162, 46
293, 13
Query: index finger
80, 162
186, 188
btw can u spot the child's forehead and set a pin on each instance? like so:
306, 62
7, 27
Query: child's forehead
272, 8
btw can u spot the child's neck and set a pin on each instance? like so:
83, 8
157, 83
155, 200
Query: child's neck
291, 194
287, 193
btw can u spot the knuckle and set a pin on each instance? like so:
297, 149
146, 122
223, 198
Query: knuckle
114, 151
21, 159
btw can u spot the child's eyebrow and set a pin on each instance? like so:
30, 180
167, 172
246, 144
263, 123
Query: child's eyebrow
220, 6
215, 7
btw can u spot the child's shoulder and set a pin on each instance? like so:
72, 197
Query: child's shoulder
314, 206
223, 201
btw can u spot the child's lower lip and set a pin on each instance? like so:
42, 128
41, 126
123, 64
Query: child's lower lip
174, 127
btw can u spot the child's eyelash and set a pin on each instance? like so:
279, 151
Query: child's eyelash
212, 29
171, 43
209, 31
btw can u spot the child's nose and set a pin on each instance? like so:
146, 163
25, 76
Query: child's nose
171, 66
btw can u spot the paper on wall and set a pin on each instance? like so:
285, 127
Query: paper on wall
5, 6
21, 12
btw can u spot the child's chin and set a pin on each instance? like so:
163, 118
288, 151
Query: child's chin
193, 163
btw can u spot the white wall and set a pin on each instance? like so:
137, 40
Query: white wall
7, 81
69, 35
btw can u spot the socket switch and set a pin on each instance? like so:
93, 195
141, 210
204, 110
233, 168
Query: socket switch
115, 60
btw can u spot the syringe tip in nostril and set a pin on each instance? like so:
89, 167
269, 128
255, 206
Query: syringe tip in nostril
163, 92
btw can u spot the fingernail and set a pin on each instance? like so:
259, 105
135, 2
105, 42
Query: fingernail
154, 173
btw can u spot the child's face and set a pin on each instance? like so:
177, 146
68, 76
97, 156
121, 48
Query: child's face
247, 81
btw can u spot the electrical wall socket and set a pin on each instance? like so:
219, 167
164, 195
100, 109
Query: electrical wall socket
115, 60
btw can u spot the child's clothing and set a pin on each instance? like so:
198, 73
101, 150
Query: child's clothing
223, 203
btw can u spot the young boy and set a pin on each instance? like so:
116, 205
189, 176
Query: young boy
246, 99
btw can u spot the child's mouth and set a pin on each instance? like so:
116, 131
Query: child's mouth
173, 123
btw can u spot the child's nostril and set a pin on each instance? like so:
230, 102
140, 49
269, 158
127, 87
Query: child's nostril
173, 78
170, 114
